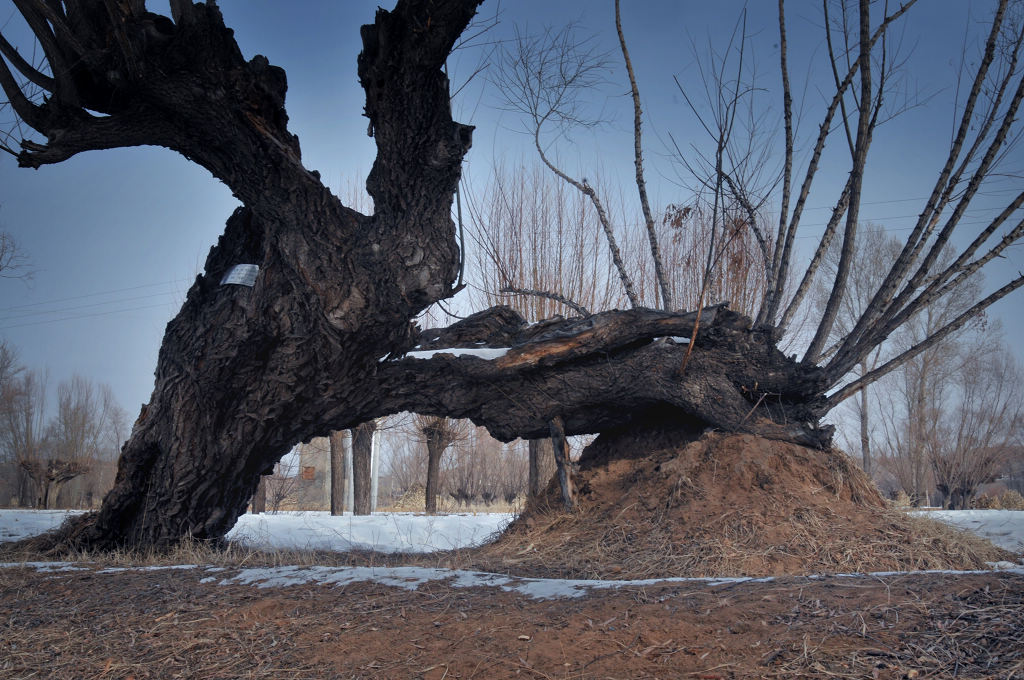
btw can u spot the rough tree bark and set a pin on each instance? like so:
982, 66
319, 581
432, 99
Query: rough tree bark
245, 372
322, 339
585, 371
562, 463
542, 466
362, 461
259, 499
339, 472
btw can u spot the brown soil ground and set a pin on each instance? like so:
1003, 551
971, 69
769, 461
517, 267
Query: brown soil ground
167, 624
655, 503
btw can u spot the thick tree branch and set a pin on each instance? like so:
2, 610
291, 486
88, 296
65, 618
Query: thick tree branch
584, 371
781, 260
859, 160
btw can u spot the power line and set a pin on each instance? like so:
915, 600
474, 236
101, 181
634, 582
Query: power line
92, 315
42, 312
89, 295
1006, 192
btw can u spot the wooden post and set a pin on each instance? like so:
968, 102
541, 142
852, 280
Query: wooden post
562, 462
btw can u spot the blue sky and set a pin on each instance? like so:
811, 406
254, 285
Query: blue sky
116, 237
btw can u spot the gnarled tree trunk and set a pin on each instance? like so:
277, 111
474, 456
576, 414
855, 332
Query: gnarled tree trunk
245, 371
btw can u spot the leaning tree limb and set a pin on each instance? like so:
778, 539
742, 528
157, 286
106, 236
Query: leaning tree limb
603, 372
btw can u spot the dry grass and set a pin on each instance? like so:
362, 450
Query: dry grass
573, 546
727, 506
967, 634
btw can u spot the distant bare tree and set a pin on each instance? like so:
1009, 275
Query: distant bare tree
24, 431
439, 434
977, 430
538, 246
480, 468
361, 438
924, 385
873, 256
283, 484
14, 263
688, 234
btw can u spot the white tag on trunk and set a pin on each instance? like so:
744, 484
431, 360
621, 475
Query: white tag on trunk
242, 275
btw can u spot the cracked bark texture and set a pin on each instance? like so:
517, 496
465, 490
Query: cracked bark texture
245, 372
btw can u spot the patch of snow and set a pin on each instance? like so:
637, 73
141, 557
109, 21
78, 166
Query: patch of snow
18, 524
486, 353
411, 578
382, 532
1005, 528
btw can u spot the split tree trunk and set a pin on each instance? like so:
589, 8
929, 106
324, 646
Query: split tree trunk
245, 372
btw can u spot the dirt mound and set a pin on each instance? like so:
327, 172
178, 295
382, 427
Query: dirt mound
661, 501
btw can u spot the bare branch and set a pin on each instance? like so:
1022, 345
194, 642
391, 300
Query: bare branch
864, 122
25, 68
881, 305
638, 162
932, 339
543, 79
13, 261
770, 304
819, 253
784, 242
580, 309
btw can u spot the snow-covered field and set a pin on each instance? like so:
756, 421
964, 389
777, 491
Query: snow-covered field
409, 532
1005, 528
384, 532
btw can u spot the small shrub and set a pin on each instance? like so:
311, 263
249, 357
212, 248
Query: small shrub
988, 502
902, 500
1011, 500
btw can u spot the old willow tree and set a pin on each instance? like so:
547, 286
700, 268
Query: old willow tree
323, 337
